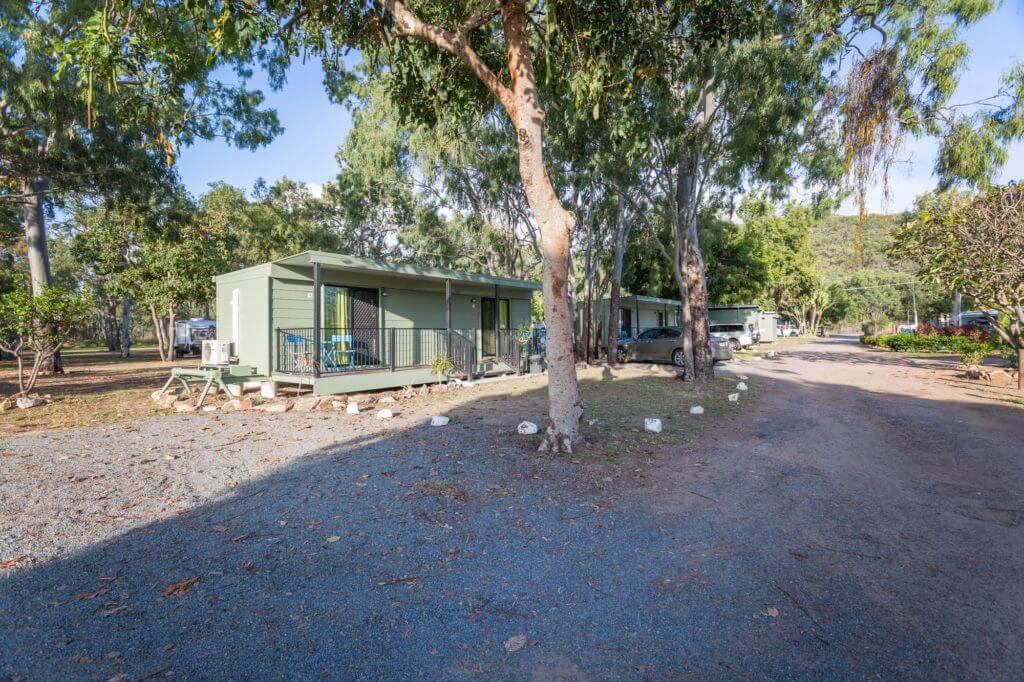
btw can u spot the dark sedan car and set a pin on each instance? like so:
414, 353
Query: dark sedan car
664, 344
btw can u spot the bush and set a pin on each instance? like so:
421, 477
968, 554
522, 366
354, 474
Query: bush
928, 344
970, 331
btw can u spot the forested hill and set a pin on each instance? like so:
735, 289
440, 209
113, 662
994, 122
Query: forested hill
834, 241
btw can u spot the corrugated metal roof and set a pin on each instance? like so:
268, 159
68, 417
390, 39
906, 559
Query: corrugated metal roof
340, 261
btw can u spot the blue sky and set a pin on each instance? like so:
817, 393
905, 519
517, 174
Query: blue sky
314, 128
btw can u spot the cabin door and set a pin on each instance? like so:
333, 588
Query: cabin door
490, 348
365, 325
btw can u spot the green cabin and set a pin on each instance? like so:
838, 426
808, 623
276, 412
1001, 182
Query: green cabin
342, 324
637, 313
769, 324
747, 315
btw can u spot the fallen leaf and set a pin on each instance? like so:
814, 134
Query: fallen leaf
11, 562
514, 644
333, 538
181, 587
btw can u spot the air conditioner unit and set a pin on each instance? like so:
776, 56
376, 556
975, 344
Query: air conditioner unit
216, 352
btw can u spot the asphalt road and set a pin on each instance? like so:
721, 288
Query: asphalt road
863, 519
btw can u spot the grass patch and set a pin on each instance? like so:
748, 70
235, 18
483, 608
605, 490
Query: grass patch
615, 409
73, 411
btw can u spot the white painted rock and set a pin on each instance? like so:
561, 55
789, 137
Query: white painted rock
652, 425
527, 428
734, 397
696, 409
276, 408
654, 368
352, 408
25, 402
385, 400
742, 377
385, 414
185, 407
772, 354
741, 386
439, 420
209, 408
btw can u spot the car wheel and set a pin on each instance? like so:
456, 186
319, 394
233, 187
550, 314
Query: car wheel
734, 344
678, 358
620, 355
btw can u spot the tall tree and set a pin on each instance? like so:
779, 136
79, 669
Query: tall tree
61, 133
445, 58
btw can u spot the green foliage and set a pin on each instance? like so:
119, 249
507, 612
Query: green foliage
78, 115
973, 244
833, 238
928, 344
39, 324
442, 365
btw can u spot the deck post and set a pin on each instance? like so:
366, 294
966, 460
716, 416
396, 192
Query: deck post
448, 317
636, 308
391, 349
317, 332
497, 316
448, 304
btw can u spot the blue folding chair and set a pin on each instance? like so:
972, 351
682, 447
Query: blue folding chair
335, 358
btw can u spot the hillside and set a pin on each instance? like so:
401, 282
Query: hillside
834, 243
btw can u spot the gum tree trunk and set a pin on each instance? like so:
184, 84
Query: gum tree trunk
126, 327
565, 409
622, 230
681, 259
519, 100
37, 254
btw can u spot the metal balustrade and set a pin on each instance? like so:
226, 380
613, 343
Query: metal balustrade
346, 349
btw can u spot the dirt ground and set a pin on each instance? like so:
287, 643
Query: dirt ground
856, 515
97, 387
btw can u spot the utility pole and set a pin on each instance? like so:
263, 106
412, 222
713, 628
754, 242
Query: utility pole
913, 298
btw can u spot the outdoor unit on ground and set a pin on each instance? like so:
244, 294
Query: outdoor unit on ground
216, 352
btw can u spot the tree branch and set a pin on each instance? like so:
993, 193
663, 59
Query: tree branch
407, 24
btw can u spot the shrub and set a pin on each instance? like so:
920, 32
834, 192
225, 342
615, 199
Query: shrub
928, 344
974, 356
38, 324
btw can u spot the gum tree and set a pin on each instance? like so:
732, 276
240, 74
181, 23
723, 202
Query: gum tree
448, 59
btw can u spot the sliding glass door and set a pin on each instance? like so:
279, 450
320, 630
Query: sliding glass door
351, 335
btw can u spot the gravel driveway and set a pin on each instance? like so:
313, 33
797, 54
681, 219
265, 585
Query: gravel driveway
862, 519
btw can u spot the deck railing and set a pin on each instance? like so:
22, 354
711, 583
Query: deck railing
345, 349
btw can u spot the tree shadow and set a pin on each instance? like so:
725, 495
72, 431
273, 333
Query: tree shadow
421, 552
